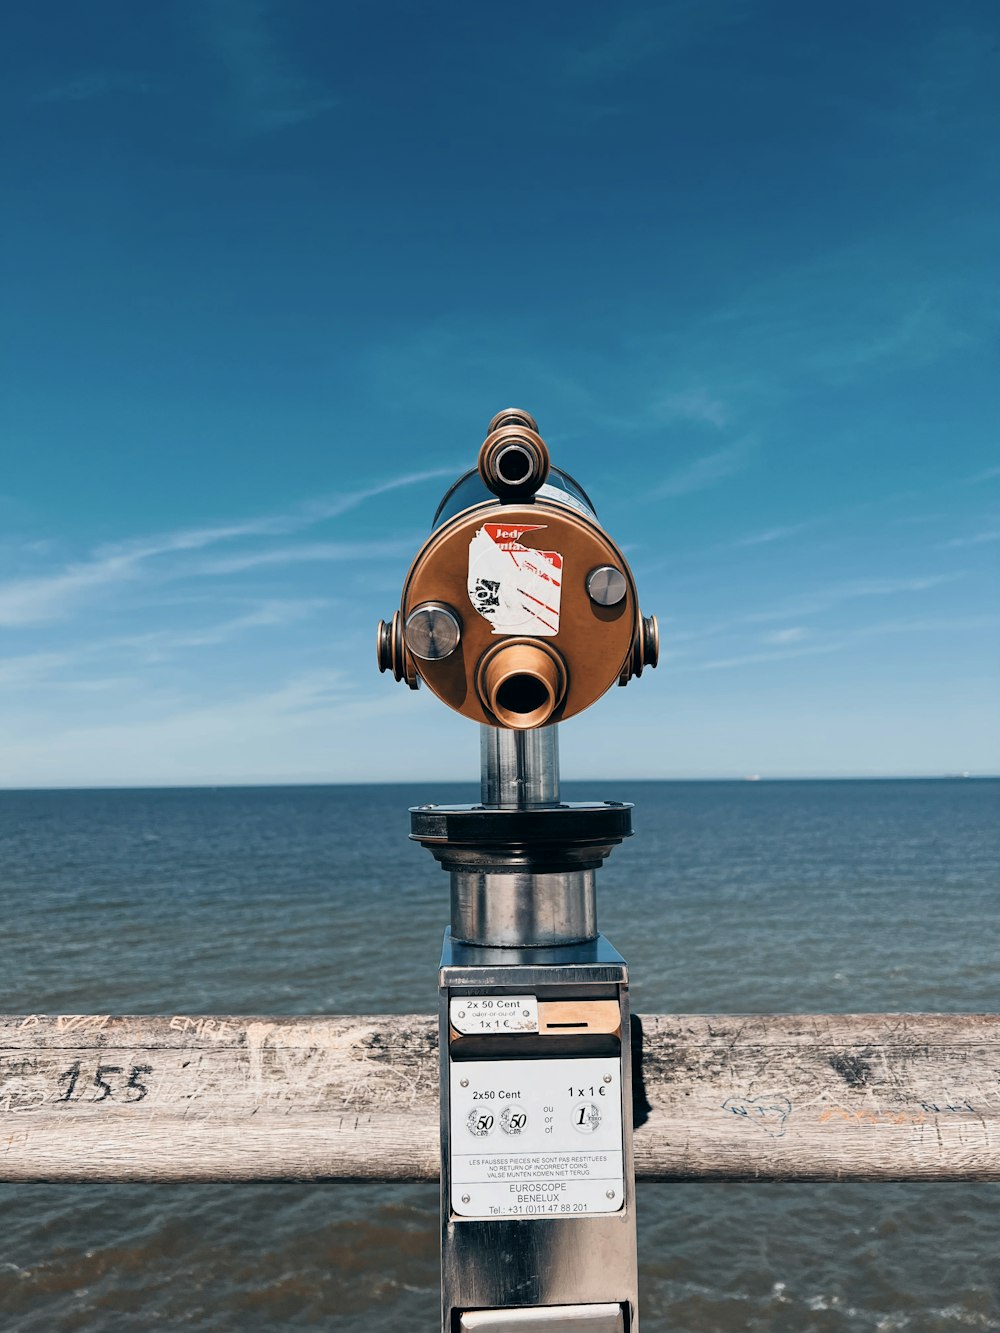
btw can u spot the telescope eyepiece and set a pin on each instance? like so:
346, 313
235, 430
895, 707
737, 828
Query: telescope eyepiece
512, 416
514, 460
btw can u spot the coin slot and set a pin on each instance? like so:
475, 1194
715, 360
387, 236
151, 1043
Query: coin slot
588, 1018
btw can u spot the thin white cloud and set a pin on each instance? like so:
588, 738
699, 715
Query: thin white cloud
708, 470
306, 553
916, 335
979, 539
812, 603
94, 85
697, 405
267, 90
31, 671
662, 33
307, 728
47, 597
32, 601
30, 668
930, 625
844, 639
823, 599
790, 635
752, 659
775, 534
270, 613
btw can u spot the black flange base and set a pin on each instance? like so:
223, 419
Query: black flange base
543, 839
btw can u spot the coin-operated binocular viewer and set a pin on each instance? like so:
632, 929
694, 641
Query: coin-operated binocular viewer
519, 612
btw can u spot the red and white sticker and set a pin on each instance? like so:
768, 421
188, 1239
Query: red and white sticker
515, 587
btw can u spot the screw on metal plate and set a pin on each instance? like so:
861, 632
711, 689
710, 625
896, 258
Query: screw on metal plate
526, 1013
606, 585
465, 1082
461, 1013
611, 1194
466, 1198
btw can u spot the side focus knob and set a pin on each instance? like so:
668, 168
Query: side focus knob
391, 654
433, 631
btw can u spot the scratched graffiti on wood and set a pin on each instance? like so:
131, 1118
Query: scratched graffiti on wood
788, 1097
766, 1113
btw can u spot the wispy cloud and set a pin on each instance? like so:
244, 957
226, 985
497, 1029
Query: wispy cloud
915, 336
708, 470
307, 553
68, 668
30, 668
752, 659
790, 635
845, 639
697, 405
811, 603
311, 727
641, 36
93, 85
268, 90
46, 597
824, 599
32, 601
978, 539
775, 534
279, 611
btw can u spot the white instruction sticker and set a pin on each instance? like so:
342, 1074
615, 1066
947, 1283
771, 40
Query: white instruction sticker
471, 1014
515, 587
536, 1138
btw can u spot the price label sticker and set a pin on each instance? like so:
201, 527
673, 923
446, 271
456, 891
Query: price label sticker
536, 1138
474, 1014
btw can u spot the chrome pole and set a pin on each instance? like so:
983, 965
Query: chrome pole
519, 768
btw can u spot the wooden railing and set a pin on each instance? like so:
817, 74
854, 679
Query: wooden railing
783, 1097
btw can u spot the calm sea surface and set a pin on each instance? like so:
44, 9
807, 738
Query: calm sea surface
733, 897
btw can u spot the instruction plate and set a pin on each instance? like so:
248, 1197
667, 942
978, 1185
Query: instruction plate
472, 1014
536, 1138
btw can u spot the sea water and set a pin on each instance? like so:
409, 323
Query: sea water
732, 898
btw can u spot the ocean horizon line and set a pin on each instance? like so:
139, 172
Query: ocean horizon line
313, 785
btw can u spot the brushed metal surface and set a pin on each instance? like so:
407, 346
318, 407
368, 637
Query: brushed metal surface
519, 768
606, 585
510, 1265
517, 908
433, 631
556, 1319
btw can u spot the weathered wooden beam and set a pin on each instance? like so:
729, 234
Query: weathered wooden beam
784, 1097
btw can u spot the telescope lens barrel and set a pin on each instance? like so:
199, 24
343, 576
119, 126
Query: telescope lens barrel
521, 683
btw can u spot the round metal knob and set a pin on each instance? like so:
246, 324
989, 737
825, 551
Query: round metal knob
433, 631
391, 652
606, 586
650, 641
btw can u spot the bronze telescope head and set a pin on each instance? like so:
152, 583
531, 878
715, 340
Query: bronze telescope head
519, 611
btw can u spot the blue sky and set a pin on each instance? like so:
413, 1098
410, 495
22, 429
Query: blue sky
269, 269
